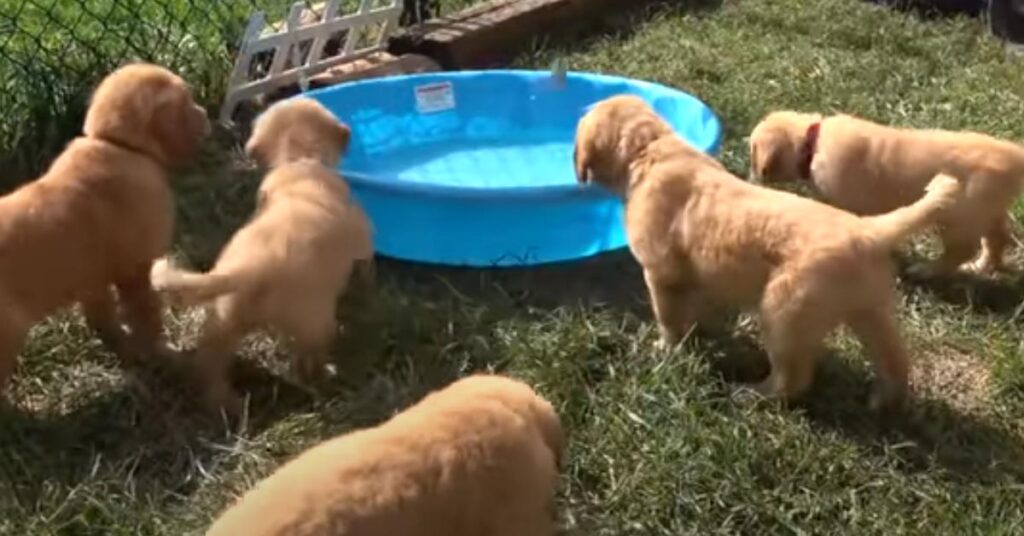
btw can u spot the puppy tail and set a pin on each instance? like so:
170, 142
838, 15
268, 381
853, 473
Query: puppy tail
889, 229
190, 288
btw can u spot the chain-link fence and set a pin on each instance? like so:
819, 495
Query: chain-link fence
52, 52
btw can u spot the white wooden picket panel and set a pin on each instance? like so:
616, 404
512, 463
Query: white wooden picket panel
259, 37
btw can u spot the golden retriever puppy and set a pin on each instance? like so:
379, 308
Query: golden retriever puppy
100, 216
286, 268
705, 237
869, 169
478, 458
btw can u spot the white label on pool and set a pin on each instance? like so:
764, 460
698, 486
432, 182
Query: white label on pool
435, 97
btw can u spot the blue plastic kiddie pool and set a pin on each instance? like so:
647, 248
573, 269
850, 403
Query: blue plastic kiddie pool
475, 168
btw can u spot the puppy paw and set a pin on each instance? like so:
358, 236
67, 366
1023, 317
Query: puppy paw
982, 268
166, 278
945, 189
751, 393
668, 339
664, 344
887, 399
943, 184
161, 274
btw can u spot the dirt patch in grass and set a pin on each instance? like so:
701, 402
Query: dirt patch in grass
959, 378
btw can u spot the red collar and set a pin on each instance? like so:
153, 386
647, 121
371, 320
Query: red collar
810, 147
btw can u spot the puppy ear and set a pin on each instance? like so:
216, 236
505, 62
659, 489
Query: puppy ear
637, 136
581, 161
255, 151
764, 161
342, 136
266, 145
170, 126
754, 175
177, 124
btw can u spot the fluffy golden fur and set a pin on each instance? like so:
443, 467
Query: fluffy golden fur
286, 268
100, 216
868, 169
478, 458
705, 237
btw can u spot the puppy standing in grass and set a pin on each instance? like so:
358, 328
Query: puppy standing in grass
869, 169
100, 216
477, 458
704, 236
286, 268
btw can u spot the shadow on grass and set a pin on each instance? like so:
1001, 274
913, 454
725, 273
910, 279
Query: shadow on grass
931, 434
1001, 296
150, 432
925, 436
737, 359
928, 434
611, 279
931, 9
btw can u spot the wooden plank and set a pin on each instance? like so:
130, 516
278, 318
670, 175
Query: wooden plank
291, 76
375, 66
372, 65
493, 32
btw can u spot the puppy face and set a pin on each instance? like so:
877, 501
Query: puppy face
611, 136
776, 146
150, 109
294, 129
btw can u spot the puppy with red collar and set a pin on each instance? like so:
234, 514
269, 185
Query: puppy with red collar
869, 169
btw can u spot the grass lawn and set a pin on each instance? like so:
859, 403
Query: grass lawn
660, 444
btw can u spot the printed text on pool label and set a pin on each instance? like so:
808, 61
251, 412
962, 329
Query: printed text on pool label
435, 97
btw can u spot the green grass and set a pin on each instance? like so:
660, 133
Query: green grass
53, 52
659, 442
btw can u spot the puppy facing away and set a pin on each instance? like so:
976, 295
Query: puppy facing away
99, 216
478, 458
869, 169
705, 237
285, 269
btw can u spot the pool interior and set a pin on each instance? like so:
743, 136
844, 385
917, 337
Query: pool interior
488, 130
526, 162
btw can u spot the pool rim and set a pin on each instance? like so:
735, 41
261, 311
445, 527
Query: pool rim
551, 191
